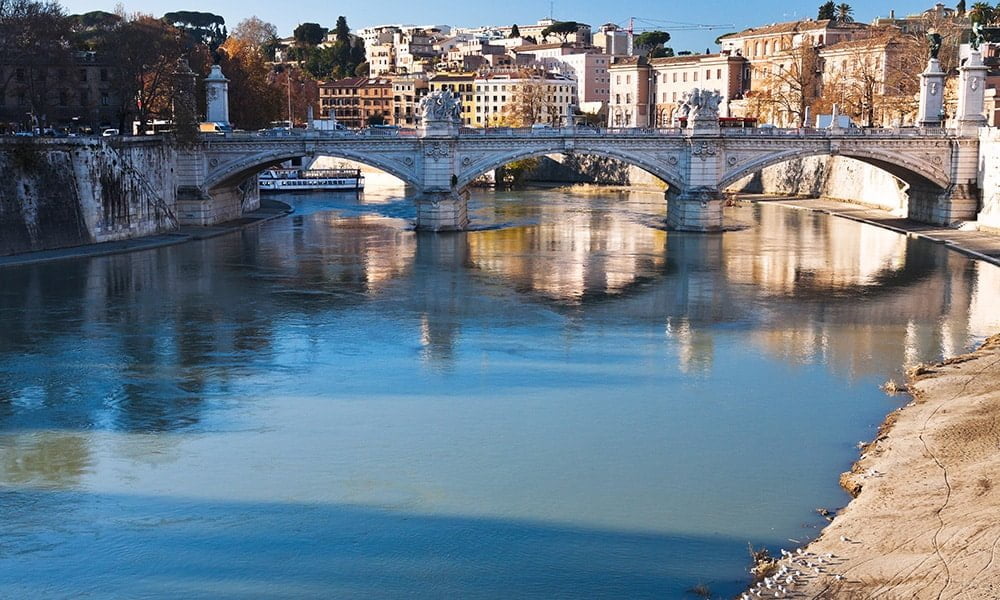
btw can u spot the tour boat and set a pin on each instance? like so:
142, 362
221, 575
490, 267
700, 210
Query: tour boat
297, 180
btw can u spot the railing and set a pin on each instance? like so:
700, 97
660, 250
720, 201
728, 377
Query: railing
586, 131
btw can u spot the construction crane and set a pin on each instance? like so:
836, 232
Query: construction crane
660, 25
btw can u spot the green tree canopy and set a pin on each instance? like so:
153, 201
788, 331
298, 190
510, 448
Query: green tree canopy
563, 29
827, 11
651, 41
960, 8
90, 29
982, 12
845, 14
202, 27
309, 34
342, 30
515, 32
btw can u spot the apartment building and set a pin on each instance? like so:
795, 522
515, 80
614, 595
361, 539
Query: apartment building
537, 96
407, 91
586, 65
646, 93
79, 93
357, 101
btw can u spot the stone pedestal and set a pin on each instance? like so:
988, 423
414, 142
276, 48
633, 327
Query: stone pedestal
217, 97
443, 211
971, 93
930, 113
698, 209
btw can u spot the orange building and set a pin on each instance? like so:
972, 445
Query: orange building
357, 101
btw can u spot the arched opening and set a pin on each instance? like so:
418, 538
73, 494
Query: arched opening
231, 184
905, 186
584, 165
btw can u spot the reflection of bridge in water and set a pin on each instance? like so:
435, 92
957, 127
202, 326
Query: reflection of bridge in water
904, 298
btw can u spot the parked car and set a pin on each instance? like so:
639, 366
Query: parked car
275, 132
381, 130
110, 132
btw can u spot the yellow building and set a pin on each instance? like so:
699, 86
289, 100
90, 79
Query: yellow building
461, 85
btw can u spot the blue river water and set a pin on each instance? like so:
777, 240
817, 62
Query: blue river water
567, 403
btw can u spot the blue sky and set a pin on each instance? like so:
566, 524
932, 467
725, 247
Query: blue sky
740, 14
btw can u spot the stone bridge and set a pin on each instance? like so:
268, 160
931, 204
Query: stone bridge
938, 165
217, 177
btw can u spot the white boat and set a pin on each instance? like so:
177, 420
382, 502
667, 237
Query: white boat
284, 179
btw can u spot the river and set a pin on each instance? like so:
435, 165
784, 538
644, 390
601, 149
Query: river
569, 402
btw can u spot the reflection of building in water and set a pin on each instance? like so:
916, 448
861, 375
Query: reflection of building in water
907, 298
792, 250
984, 312
572, 254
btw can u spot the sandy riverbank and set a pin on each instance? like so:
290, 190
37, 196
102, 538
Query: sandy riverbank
926, 519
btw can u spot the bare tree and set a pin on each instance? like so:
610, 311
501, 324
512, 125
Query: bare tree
34, 39
791, 84
255, 32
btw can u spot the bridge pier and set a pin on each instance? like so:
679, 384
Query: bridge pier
698, 209
443, 211
936, 206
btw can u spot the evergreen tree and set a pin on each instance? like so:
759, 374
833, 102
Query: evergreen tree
342, 30
827, 11
514, 32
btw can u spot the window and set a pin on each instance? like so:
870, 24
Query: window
684, 76
695, 75
718, 73
675, 78
83, 74
628, 79
105, 100
708, 74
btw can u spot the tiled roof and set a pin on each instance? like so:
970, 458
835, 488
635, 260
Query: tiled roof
793, 27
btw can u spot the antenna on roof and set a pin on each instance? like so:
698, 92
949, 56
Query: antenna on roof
550, 8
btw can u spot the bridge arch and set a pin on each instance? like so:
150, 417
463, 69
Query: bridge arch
658, 166
233, 172
917, 173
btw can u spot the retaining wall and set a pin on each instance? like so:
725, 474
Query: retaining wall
989, 177
57, 193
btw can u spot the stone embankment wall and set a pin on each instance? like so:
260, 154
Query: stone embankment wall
57, 193
829, 177
989, 177
587, 168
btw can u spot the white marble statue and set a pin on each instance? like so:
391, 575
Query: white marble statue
440, 106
